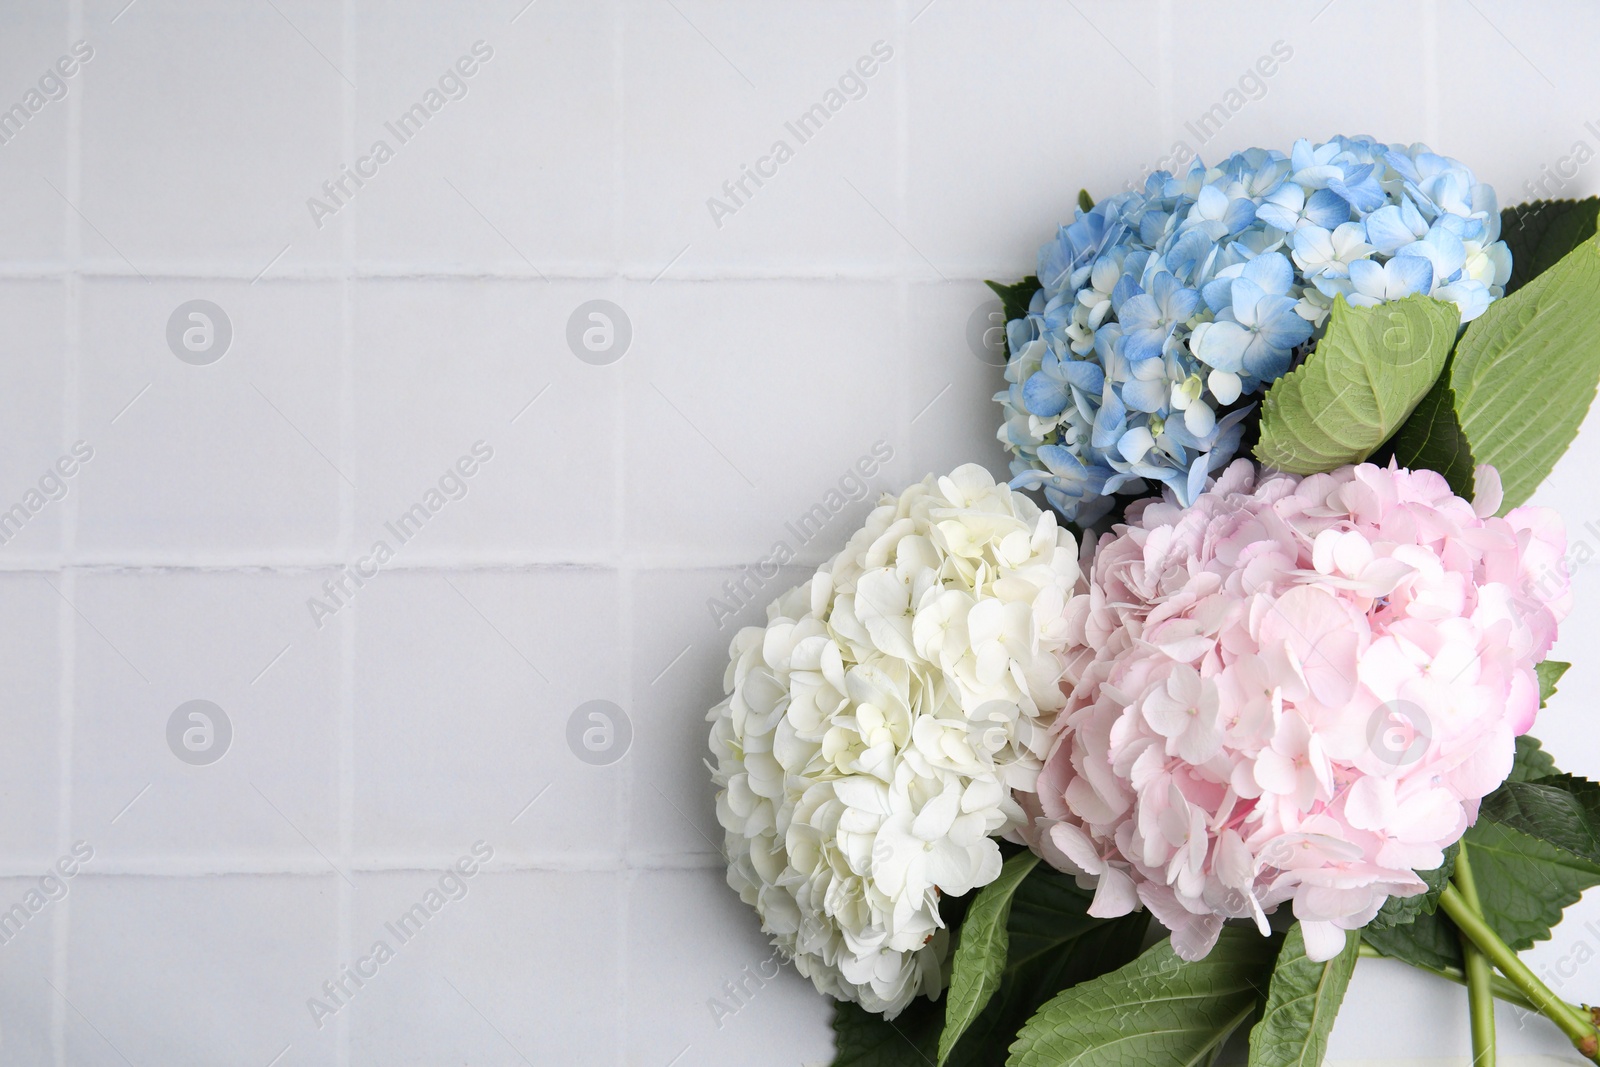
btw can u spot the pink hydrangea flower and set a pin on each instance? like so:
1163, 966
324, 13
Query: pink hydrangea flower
1295, 690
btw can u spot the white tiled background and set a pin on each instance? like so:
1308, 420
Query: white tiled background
829, 312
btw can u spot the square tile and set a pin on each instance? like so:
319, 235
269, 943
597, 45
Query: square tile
1531, 105
993, 167
456, 370
721, 999
683, 624
738, 423
33, 141
206, 461
205, 130
33, 377
511, 166
248, 779
758, 144
511, 967
144, 953
958, 335
30, 716
1266, 86
466, 688
29, 1008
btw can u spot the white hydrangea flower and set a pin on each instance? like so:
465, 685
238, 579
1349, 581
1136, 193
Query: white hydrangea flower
876, 726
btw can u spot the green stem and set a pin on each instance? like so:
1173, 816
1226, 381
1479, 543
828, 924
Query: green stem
1480, 1002
1578, 1028
1479, 972
1503, 990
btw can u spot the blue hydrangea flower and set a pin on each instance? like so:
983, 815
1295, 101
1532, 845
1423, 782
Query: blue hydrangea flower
1377, 283
1163, 311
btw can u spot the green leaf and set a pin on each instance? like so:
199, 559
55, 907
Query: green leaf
1158, 1010
1549, 672
862, 1039
1525, 883
1016, 298
1560, 809
1431, 439
1410, 928
1525, 373
1531, 762
1302, 1002
1364, 378
981, 955
1054, 945
1540, 232
1085, 201
1429, 940
1397, 911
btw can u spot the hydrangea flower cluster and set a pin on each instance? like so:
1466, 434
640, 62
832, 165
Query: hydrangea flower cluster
876, 727
1294, 690
1160, 309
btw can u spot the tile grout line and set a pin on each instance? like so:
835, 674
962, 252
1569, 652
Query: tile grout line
623, 886
66, 626
902, 281
1166, 119
1430, 72
633, 272
689, 560
182, 867
66, 695
345, 937
619, 141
